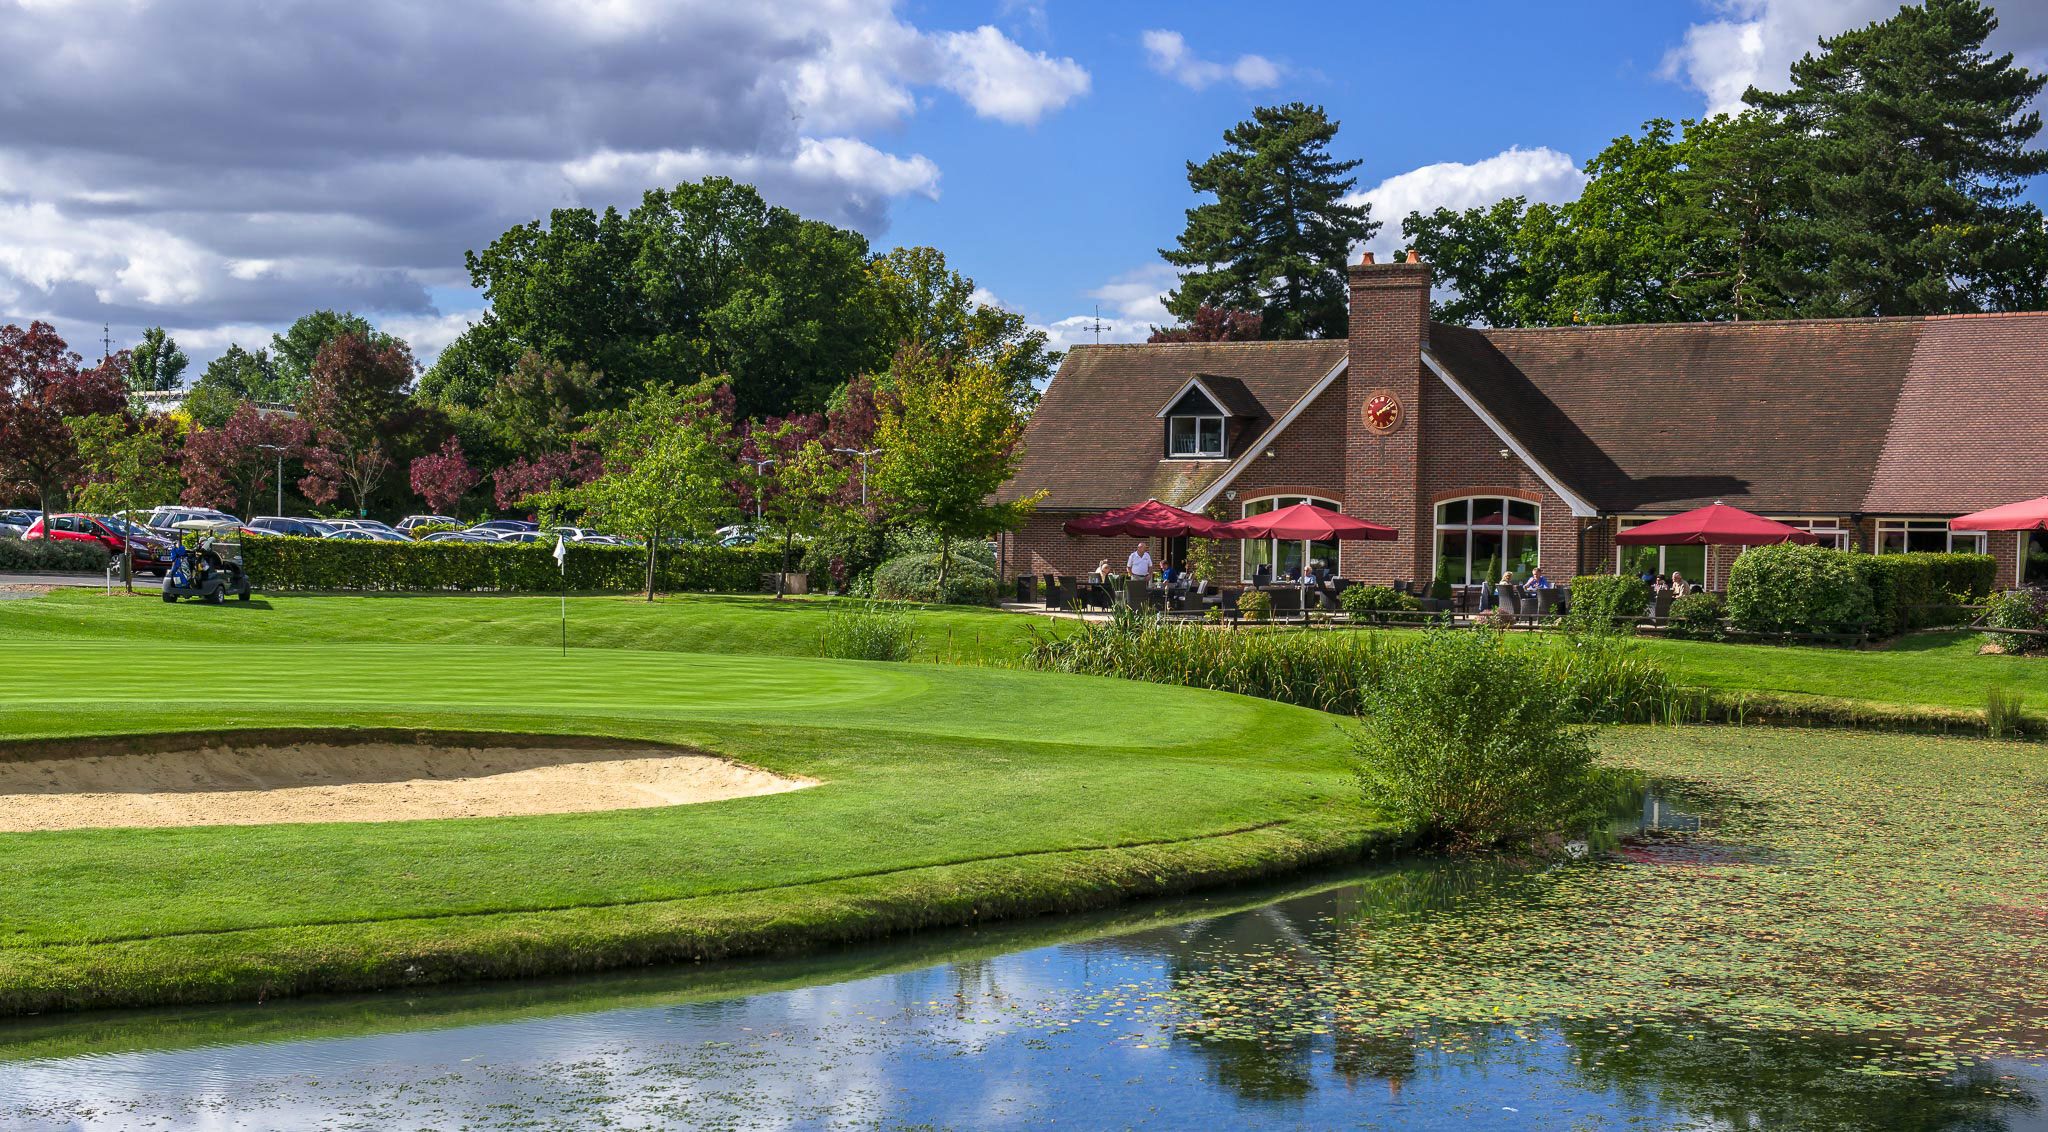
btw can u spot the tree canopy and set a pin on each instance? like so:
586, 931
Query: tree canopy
156, 364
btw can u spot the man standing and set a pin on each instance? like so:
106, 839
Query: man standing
1140, 561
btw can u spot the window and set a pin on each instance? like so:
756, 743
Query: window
1690, 561
1194, 437
1282, 557
1828, 528
1479, 539
1907, 536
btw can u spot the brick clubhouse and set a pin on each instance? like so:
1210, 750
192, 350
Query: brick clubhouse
1495, 451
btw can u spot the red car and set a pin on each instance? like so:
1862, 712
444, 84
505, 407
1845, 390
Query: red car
152, 552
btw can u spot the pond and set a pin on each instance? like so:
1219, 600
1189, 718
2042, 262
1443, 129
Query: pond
1282, 1008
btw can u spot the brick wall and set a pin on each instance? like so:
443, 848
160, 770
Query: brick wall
1389, 321
1041, 547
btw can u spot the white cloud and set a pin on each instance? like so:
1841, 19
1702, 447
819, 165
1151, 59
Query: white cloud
1167, 53
1136, 301
1539, 174
1079, 330
1004, 81
1755, 42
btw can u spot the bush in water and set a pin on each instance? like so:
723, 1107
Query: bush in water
1465, 739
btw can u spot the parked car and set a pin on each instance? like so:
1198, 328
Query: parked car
285, 525
507, 526
456, 536
525, 536
22, 517
406, 524
363, 534
573, 534
165, 518
362, 525
152, 552
12, 530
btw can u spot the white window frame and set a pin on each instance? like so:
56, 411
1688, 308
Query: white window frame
1508, 525
1828, 527
1244, 510
1978, 542
1222, 437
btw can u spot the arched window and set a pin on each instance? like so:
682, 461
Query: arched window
1480, 538
1282, 556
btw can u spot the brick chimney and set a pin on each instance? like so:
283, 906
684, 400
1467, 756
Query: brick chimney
1389, 326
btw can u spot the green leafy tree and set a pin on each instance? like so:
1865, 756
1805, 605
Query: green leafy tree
668, 459
1913, 150
237, 375
952, 437
156, 364
1276, 237
294, 351
124, 462
1476, 261
804, 492
462, 376
922, 304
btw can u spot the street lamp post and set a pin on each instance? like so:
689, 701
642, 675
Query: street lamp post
280, 450
760, 470
863, 454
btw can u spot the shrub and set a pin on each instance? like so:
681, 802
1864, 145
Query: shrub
1901, 582
1790, 588
1255, 605
1463, 738
2017, 609
918, 540
844, 554
2002, 715
1697, 616
1359, 600
424, 529
1602, 603
1440, 588
35, 555
869, 630
349, 564
915, 577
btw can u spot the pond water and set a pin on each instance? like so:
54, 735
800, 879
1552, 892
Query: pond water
1114, 1021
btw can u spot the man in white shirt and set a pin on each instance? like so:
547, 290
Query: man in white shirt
1140, 561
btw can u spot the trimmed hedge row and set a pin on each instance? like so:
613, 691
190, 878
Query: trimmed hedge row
1811, 589
1899, 581
35, 555
287, 563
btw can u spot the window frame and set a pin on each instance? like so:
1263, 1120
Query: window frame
1245, 564
1508, 526
1980, 541
1222, 450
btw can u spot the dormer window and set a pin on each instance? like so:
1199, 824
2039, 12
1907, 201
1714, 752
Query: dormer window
1194, 436
1198, 417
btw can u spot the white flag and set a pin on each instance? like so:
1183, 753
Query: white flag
561, 556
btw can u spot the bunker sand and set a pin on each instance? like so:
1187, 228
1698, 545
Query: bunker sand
323, 782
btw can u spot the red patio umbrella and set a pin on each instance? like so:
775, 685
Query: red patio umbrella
1150, 519
1305, 521
2029, 516
1716, 524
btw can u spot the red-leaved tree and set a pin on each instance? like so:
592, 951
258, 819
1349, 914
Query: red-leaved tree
361, 418
229, 467
523, 479
443, 478
1213, 325
43, 385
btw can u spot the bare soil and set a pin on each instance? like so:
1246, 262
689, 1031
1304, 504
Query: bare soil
378, 781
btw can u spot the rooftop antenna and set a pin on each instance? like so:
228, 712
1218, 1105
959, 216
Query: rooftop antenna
1098, 326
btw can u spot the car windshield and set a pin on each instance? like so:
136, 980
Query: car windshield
123, 526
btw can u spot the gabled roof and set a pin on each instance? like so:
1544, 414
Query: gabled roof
1095, 440
1967, 431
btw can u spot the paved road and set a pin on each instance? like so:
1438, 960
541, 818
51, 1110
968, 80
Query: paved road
97, 580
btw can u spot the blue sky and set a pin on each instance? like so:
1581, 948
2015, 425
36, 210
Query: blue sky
220, 169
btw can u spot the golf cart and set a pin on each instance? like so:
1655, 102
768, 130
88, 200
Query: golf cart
207, 562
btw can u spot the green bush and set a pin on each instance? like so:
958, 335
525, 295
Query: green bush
918, 540
1697, 617
1602, 603
1900, 582
915, 577
62, 555
1255, 605
425, 529
869, 630
393, 567
1358, 600
1440, 588
1790, 588
2003, 714
1474, 767
2017, 609
839, 558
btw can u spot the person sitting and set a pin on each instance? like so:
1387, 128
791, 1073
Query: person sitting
1679, 586
1262, 575
1537, 581
1101, 573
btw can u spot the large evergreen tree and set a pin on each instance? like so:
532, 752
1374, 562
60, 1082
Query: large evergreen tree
1913, 148
156, 364
1276, 237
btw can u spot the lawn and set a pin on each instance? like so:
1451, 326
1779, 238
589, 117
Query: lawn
950, 794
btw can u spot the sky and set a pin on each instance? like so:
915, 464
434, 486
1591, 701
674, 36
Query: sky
220, 167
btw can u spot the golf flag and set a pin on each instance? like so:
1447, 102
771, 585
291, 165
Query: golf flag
561, 555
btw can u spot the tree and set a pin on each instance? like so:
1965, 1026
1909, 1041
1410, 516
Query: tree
1210, 324
922, 304
523, 479
799, 493
537, 405
43, 386
156, 364
295, 351
443, 478
667, 470
1474, 258
124, 461
949, 440
1912, 154
362, 421
230, 466
1277, 237
462, 376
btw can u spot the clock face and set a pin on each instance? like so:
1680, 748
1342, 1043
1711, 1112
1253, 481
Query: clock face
1382, 411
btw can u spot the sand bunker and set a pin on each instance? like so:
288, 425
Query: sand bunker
257, 784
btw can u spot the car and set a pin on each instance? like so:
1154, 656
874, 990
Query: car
286, 525
606, 540
572, 534
12, 530
360, 534
151, 551
163, 519
406, 524
371, 525
507, 526
19, 516
456, 536
525, 536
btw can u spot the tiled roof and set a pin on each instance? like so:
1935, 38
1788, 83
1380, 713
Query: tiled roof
1967, 432
1095, 441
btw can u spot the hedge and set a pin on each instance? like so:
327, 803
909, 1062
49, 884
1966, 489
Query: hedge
1900, 581
1790, 588
35, 555
287, 563
915, 577
1606, 601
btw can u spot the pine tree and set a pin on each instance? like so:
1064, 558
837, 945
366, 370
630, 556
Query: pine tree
1911, 150
1276, 237
157, 364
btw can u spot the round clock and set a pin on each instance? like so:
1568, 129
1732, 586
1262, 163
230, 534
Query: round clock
1382, 410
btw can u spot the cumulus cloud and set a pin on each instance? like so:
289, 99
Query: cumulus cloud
1167, 53
1136, 302
238, 163
1538, 174
1755, 42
